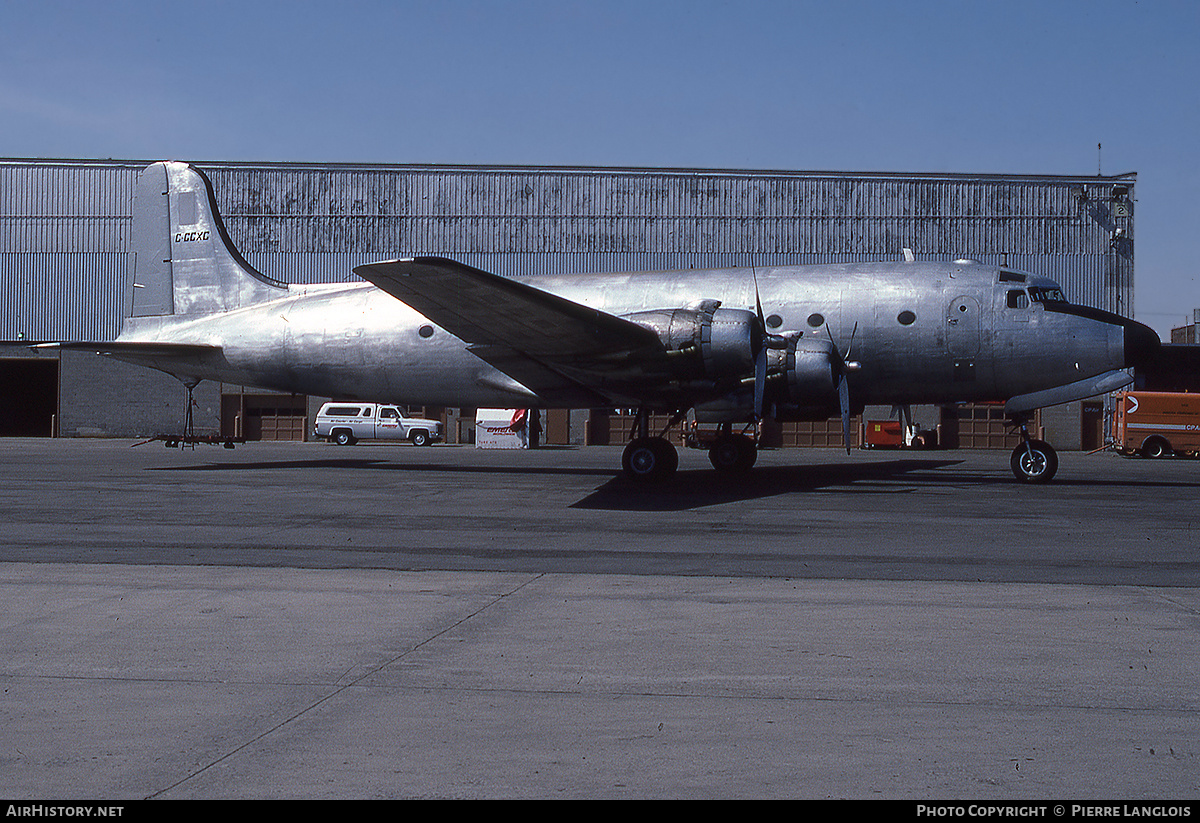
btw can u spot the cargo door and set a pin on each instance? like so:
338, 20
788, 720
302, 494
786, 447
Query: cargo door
972, 365
962, 326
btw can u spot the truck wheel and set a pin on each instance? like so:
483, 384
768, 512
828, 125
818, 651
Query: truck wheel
343, 438
1155, 447
1034, 462
420, 438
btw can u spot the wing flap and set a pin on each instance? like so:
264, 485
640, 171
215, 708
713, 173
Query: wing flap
551, 386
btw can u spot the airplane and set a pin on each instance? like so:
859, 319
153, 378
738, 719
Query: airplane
733, 346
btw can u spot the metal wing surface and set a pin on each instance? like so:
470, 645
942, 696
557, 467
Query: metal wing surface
552, 345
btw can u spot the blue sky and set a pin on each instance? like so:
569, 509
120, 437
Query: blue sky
1011, 87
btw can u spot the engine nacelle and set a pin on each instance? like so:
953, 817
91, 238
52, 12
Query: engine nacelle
802, 380
711, 343
808, 376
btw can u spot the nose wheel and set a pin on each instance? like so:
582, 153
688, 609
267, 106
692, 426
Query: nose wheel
1034, 461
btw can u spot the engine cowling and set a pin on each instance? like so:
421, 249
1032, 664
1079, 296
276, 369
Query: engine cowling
802, 384
709, 342
713, 350
805, 372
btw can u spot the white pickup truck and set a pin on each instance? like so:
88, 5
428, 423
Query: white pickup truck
346, 423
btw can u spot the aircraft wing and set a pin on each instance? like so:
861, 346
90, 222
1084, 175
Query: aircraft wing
486, 309
550, 344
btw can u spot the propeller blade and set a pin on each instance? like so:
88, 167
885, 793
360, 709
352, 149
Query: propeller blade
838, 362
842, 367
760, 357
760, 380
757, 299
844, 402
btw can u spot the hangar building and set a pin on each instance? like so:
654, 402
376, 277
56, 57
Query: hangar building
65, 252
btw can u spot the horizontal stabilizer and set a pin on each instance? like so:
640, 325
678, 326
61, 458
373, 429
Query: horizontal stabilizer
177, 359
145, 349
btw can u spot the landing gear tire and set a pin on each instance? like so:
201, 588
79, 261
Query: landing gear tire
1034, 462
733, 454
649, 459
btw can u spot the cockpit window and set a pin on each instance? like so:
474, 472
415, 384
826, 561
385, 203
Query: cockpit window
1018, 299
1040, 294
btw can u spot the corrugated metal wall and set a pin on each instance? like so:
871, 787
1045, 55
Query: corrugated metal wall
64, 225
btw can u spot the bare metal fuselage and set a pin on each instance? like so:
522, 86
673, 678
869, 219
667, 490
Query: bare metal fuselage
920, 332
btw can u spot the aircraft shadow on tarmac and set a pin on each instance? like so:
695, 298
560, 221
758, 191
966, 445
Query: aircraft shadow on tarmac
698, 488
380, 464
687, 489
703, 487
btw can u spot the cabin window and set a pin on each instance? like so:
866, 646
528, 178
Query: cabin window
1040, 294
425, 331
816, 320
906, 318
1018, 299
774, 321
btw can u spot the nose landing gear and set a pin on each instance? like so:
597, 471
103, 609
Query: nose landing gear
1034, 461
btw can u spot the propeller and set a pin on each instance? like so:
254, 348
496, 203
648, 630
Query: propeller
843, 366
766, 341
760, 357
760, 380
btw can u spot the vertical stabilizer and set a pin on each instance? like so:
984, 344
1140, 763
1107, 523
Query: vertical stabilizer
184, 262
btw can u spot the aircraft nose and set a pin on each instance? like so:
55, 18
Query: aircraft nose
1141, 344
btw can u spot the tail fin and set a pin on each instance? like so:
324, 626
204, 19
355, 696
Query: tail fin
184, 262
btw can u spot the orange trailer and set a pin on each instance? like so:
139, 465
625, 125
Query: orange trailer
1156, 424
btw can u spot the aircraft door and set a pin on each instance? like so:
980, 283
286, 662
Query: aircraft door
962, 326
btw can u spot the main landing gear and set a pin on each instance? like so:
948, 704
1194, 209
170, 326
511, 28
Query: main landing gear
1033, 461
732, 453
652, 459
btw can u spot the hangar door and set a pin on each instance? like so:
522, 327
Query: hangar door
264, 416
28, 396
981, 426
